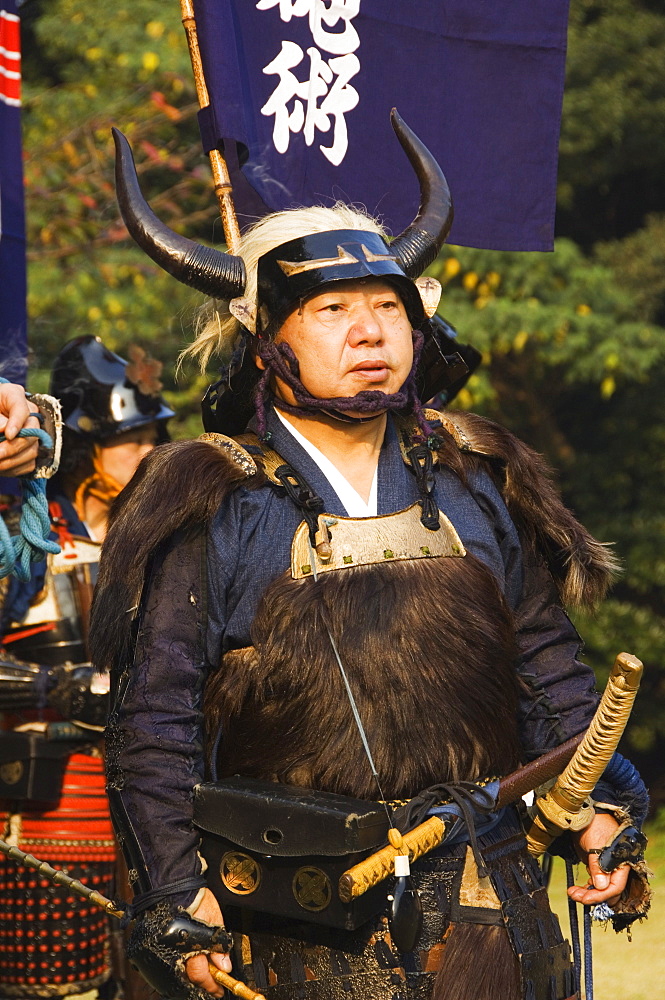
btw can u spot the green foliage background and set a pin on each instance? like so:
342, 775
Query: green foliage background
573, 342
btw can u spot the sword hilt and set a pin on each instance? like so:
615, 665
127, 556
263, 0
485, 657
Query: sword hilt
379, 866
566, 806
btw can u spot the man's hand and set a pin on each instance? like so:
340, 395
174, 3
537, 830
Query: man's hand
197, 967
18, 456
601, 888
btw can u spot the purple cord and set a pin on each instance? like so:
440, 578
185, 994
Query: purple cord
281, 361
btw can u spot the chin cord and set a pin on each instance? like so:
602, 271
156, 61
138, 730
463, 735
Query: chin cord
281, 361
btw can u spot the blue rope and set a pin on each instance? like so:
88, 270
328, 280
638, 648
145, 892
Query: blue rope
574, 930
32, 543
588, 955
625, 778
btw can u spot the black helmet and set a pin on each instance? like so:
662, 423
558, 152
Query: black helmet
102, 394
309, 263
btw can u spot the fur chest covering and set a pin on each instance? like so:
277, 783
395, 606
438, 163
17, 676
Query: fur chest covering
179, 487
428, 649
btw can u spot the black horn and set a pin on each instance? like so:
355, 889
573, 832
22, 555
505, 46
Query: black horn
420, 242
220, 275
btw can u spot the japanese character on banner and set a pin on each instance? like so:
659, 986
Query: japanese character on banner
321, 17
327, 80
320, 101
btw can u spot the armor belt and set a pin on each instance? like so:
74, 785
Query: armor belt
280, 849
283, 848
288, 960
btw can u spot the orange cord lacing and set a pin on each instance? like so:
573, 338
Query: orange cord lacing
99, 485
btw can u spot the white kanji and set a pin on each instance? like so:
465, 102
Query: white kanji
327, 80
288, 88
339, 99
287, 8
321, 17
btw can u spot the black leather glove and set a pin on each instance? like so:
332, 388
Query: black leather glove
72, 694
162, 940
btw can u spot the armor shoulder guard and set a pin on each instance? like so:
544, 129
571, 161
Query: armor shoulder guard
233, 449
177, 488
582, 567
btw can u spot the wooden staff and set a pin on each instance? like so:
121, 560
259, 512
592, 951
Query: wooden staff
220, 171
93, 896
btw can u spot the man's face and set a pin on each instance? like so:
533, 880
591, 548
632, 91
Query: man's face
355, 336
120, 455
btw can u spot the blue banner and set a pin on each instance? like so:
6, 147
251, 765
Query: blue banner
13, 322
305, 88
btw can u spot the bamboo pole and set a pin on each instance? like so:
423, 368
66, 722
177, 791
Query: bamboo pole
59, 877
220, 173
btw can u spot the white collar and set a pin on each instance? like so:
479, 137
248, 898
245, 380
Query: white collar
354, 504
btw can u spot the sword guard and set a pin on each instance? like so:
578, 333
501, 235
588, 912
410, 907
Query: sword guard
549, 820
560, 818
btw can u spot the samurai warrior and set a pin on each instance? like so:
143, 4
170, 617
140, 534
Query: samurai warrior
335, 620
54, 709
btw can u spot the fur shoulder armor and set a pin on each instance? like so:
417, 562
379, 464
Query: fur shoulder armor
177, 488
582, 567
179, 485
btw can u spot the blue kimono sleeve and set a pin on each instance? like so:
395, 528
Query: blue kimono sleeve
558, 690
154, 736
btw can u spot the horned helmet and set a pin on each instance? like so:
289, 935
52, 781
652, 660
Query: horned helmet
301, 267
